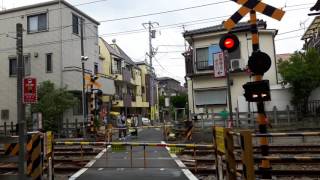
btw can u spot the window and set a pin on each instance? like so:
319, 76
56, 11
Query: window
5, 114
13, 66
37, 23
211, 97
75, 24
116, 66
96, 68
27, 66
202, 58
49, 62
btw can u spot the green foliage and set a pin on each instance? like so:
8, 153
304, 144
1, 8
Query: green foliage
52, 102
302, 71
179, 101
161, 101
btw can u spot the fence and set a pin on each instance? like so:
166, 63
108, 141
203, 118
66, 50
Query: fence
8, 129
277, 118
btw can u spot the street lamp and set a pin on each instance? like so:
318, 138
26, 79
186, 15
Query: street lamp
83, 59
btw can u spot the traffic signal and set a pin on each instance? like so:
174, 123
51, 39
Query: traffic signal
257, 91
92, 108
229, 42
98, 100
259, 62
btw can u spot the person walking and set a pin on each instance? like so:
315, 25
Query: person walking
121, 123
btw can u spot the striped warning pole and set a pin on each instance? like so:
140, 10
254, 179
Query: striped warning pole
261, 118
34, 164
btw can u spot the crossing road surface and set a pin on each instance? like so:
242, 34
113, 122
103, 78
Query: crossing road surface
117, 165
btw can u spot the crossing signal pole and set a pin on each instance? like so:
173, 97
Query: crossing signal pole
229, 43
259, 63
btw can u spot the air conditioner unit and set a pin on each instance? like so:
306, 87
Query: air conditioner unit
235, 64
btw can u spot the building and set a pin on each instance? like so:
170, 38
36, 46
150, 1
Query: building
52, 51
149, 89
207, 93
170, 87
131, 95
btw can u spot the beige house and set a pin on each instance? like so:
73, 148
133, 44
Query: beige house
132, 94
51, 47
207, 93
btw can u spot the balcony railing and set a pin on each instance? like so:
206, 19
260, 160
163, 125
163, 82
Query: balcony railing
203, 65
126, 75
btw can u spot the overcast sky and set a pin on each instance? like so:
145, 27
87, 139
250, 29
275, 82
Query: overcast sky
169, 41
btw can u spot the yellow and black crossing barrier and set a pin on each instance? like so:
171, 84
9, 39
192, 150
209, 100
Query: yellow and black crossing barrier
134, 144
34, 160
11, 149
34, 154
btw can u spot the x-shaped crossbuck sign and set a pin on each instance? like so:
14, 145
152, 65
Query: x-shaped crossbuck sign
256, 5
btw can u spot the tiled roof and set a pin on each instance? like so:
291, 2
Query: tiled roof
242, 26
123, 54
110, 49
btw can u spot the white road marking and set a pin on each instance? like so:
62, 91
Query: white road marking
186, 172
100, 169
89, 164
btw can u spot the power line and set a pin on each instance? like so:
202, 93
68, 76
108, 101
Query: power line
164, 12
290, 31
291, 37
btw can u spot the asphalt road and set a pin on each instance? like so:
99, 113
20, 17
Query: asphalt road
118, 165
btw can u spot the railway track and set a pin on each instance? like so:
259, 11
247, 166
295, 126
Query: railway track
202, 161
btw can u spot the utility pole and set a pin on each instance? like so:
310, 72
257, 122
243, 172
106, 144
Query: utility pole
20, 105
84, 99
152, 34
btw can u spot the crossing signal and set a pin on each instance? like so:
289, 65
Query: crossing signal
229, 42
257, 91
98, 100
259, 62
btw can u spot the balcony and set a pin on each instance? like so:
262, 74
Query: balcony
189, 62
126, 75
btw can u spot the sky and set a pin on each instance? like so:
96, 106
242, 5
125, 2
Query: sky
131, 36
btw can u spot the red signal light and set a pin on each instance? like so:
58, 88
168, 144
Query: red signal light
229, 43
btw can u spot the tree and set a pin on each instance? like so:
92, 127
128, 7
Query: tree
52, 102
302, 72
179, 101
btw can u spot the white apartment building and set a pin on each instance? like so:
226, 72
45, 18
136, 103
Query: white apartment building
207, 93
52, 51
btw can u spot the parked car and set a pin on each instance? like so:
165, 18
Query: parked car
145, 121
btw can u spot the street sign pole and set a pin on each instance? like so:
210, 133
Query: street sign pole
20, 105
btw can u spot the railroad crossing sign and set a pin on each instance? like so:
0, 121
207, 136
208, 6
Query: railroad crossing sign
256, 5
92, 81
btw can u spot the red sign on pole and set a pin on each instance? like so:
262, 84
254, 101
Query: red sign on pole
29, 90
